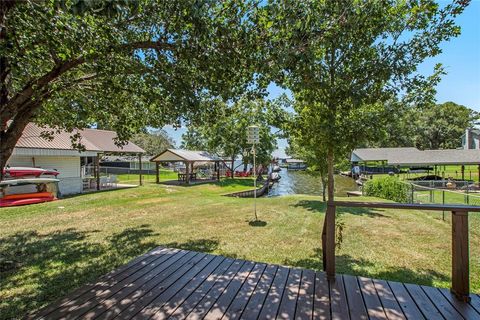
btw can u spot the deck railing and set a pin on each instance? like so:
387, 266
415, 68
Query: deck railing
460, 285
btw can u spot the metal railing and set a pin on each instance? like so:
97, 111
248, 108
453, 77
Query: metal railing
437, 192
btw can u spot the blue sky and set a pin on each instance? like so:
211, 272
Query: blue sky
460, 58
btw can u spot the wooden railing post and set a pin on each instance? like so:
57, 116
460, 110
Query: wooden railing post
329, 241
460, 255
157, 172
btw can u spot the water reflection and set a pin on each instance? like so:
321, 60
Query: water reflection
300, 182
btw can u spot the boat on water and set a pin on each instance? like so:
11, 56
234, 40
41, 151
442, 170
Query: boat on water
276, 168
38, 192
275, 176
361, 180
24, 172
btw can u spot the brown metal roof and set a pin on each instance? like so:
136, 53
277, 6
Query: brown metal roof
91, 139
105, 141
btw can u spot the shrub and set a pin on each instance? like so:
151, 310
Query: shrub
388, 188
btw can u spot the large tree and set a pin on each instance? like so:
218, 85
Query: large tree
441, 126
227, 136
432, 126
122, 64
153, 142
343, 58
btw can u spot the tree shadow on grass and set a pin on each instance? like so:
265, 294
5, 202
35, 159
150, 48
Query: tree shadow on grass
320, 206
257, 223
36, 269
200, 245
346, 264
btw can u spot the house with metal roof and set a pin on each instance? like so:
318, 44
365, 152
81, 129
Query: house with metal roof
33, 149
471, 139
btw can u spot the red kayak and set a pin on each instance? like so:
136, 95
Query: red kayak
18, 172
26, 198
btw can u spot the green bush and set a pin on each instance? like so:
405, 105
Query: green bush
390, 188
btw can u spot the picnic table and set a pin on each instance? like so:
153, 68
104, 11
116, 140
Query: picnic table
183, 176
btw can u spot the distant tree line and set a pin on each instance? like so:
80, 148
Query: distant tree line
439, 126
153, 142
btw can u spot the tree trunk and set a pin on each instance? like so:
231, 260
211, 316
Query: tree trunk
330, 178
331, 195
10, 135
323, 177
233, 168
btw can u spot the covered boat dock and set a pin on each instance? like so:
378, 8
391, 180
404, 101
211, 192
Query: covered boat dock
397, 158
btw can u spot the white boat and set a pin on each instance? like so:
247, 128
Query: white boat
275, 176
22, 182
276, 168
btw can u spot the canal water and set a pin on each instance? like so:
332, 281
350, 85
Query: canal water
301, 182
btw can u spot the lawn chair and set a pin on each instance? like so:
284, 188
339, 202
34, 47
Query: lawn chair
113, 181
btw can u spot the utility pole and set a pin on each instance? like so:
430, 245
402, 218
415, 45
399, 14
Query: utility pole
253, 138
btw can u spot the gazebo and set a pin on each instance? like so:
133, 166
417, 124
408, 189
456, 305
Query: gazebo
189, 158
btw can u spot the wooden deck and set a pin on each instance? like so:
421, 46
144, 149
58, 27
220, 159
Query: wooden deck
178, 284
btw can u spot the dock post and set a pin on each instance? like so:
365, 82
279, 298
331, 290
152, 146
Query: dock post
460, 256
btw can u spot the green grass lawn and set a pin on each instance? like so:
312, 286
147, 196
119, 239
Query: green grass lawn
48, 250
447, 196
133, 178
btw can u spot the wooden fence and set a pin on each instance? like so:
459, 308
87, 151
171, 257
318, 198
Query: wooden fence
460, 285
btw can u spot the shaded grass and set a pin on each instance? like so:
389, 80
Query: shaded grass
49, 249
133, 178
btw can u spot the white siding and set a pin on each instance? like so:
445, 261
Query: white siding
68, 166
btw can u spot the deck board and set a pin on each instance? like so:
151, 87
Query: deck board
106, 280
200, 301
219, 265
442, 304
406, 302
178, 284
390, 304
321, 302
372, 301
356, 304
290, 294
465, 309
338, 299
242, 298
426, 306
306, 294
256, 302
138, 289
274, 297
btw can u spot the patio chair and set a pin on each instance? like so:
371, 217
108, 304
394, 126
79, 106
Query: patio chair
114, 181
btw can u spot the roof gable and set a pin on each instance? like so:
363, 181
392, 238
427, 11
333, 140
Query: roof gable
105, 141
173, 155
91, 139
